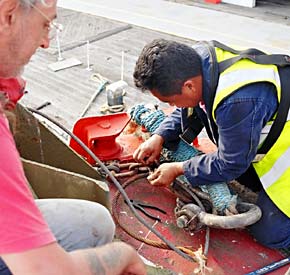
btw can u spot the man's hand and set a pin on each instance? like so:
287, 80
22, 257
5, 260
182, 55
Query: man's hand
166, 174
150, 150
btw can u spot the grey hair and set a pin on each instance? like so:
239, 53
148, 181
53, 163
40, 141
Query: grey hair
30, 3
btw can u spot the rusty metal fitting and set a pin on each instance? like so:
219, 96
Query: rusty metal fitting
125, 174
193, 217
124, 170
187, 217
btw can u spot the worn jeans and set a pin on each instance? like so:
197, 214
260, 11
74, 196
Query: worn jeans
76, 224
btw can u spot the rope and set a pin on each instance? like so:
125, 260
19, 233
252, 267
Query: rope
221, 196
151, 119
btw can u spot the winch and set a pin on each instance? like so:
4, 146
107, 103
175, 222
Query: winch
105, 137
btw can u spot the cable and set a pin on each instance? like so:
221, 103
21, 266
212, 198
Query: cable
158, 244
114, 180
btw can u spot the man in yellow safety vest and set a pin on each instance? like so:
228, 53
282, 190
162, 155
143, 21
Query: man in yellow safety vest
240, 97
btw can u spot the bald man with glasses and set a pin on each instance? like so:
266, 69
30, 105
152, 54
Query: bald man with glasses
36, 237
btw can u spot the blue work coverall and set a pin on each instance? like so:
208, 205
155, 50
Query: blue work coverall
239, 120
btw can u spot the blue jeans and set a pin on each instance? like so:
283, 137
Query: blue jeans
273, 229
76, 224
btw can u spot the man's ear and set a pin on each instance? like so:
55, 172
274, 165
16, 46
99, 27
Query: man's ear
189, 84
194, 83
8, 9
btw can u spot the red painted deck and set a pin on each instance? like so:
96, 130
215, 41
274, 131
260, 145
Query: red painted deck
231, 252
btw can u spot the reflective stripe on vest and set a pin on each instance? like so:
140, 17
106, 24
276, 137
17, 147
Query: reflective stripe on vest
274, 168
274, 171
243, 73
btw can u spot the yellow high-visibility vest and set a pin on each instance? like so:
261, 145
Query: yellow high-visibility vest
273, 168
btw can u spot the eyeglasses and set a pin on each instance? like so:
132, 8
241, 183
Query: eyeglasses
54, 27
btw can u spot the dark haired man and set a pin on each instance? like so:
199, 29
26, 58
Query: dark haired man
237, 105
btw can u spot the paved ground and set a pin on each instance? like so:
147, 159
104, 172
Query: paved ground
70, 90
277, 11
192, 22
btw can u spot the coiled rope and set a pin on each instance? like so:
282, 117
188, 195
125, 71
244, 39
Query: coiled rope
151, 119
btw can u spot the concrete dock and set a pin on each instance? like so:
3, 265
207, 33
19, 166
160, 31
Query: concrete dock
116, 26
192, 22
